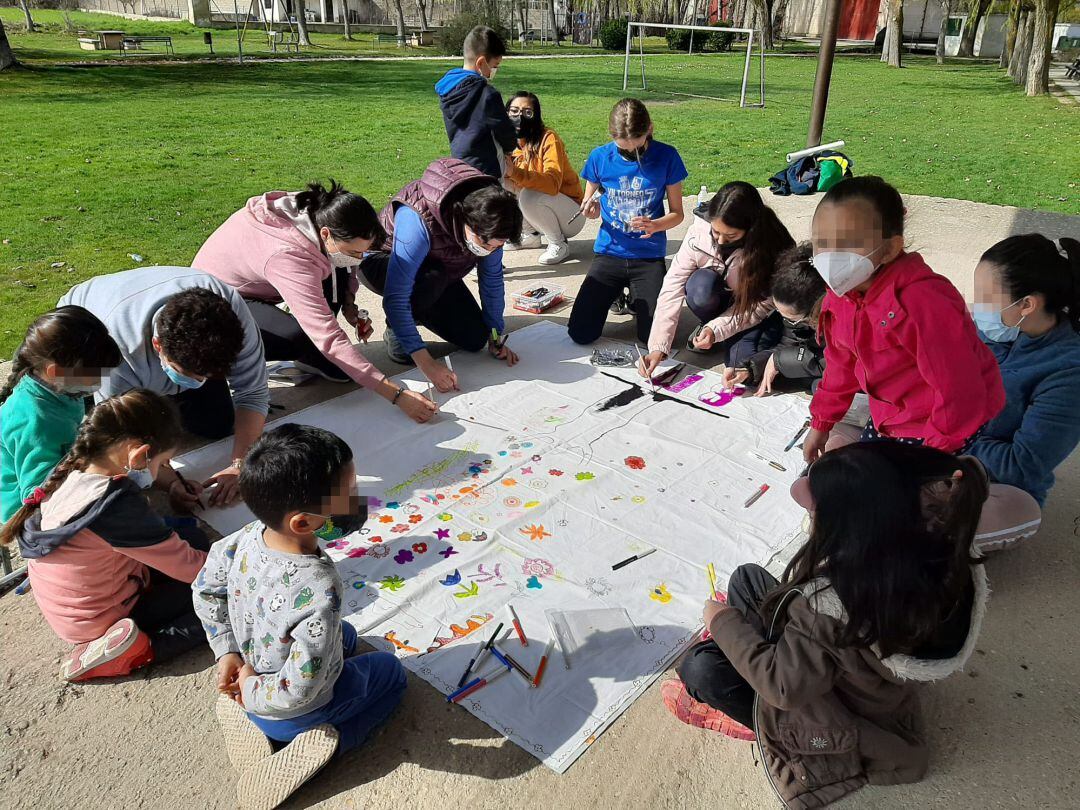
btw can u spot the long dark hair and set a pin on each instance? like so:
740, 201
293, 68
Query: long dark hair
72, 337
138, 414
892, 533
739, 205
532, 134
1030, 263
346, 215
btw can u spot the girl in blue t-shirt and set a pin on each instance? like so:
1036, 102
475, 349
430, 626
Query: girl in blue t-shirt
633, 175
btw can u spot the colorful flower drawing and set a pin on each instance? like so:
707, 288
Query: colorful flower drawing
420, 548
360, 584
400, 528
534, 566
415, 518
403, 556
511, 502
442, 534
448, 552
451, 579
660, 594
378, 552
538, 483
535, 532
465, 537
556, 473
533, 582
393, 505
509, 482
391, 583
338, 544
634, 462
526, 471
356, 552
536, 458
374, 503
585, 476
386, 518
467, 591
638, 499
445, 517
377, 538
495, 576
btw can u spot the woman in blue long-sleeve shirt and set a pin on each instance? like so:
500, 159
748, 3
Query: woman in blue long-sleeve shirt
439, 228
1027, 308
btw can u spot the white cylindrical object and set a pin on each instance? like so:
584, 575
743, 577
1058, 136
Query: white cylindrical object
703, 195
813, 150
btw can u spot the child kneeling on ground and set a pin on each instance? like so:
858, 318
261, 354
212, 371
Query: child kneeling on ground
823, 666
108, 574
270, 601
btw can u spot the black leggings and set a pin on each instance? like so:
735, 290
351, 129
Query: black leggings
445, 307
607, 278
706, 672
207, 411
164, 610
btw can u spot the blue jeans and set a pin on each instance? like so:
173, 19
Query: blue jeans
368, 689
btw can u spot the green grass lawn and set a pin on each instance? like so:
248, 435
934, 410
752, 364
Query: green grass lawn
100, 163
57, 41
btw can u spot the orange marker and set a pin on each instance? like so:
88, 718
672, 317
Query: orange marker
517, 627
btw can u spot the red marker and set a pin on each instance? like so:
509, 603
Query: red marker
517, 627
543, 663
476, 685
753, 498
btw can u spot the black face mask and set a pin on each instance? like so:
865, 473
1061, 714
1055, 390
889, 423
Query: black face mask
635, 155
526, 128
728, 248
344, 524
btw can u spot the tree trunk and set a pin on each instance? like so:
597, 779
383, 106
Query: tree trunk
553, 23
301, 23
1010, 35
523, 21
1038, 74
939, 50
976, 11
421, 9
7, 58
894, 33
400, 23
345, 19
30, 27
1018, 65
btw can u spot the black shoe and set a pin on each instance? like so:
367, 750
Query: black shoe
394, 348
621, 305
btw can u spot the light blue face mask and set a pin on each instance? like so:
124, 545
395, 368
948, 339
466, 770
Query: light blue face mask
990, 324
185, 383
143, 478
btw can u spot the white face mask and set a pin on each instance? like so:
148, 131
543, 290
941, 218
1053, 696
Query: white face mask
342, 259
476, 249
843, 271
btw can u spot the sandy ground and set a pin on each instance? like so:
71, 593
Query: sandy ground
1004, 734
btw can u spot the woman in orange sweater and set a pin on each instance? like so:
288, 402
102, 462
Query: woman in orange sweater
548, 188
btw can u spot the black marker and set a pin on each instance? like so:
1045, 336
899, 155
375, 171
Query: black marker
629, 560
797, 436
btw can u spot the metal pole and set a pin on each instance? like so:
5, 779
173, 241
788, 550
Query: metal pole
826, 51
641, 53
626, 64
746, 69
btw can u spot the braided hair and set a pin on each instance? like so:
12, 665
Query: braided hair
138, 415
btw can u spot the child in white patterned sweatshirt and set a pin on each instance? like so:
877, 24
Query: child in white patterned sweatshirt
270, 601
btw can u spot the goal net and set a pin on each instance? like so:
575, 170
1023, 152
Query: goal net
701, 79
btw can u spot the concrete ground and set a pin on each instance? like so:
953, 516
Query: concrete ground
1004, 734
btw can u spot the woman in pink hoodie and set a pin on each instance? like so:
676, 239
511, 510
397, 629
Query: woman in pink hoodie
301, 249
108, 574
722, 271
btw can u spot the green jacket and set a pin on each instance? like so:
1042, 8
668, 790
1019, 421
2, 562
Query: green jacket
37, 428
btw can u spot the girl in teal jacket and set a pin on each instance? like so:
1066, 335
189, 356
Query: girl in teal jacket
61, 361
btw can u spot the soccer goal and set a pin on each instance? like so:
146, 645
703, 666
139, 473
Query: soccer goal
750, 36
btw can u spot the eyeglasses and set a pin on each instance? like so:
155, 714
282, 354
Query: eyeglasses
524, 112
795, 322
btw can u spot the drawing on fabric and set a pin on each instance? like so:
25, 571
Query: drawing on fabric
378, 552
434, 469
533, 582
683, 384
467, 591
718, 399
585, 476
447, 552
660, 594
634, 462
457, 632
391, 583
442, 534
647, 634
535, 532
494, 576
404, 556
452, 579
598, 587
401, 645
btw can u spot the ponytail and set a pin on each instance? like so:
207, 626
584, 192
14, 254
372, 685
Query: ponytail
138, 415
1030, 263
739, 205
71, 337
346, 215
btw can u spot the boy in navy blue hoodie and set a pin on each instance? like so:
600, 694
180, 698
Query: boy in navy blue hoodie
479, 130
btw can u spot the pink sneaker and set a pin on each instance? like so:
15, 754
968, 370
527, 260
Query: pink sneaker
123, 648
699, 715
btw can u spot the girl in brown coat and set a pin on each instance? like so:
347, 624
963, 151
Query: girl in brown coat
824, 666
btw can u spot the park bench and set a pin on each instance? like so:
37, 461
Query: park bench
132, 43
1073, 70
384, 39
289, 41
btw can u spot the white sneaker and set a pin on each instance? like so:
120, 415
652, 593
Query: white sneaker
557, 253
528, 241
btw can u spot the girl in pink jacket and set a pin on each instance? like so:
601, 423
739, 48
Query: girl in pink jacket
722, 271
107, 573
894, 329
301, 249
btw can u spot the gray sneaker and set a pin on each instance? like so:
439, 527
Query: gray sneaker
394, 348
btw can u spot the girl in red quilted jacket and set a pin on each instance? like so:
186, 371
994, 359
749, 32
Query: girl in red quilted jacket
108, 574
895, 329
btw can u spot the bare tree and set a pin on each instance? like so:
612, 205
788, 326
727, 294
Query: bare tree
553, 22
30, 27
1018, 62
1010, 34
976, 11
345, 19
1038, 73
939, 49
894, 33
7, 58
523, 21
400, 22
421, 9
301, 23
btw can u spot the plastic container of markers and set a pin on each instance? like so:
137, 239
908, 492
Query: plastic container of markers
539, 298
